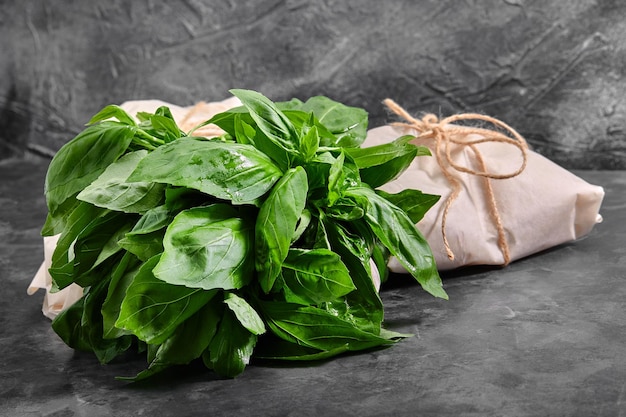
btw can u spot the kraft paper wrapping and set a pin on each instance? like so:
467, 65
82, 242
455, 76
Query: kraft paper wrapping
542, 207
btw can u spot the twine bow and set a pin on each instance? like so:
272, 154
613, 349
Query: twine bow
444, 133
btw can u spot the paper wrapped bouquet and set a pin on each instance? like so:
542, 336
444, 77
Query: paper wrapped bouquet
267, 227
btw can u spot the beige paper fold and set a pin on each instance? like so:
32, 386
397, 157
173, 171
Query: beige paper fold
542, 207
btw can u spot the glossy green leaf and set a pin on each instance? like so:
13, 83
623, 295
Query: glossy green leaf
62, 268
80, 326
413, 202
398, 233
348, 124
316, 328
111, 190
276, 224
363, 307
82, 160
315, 276
231, 349
207, 247
271, 121
188, 342
113, 111
245, 313
153, 309
231, 171
121, 278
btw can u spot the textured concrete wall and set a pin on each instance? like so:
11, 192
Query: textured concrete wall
554, 70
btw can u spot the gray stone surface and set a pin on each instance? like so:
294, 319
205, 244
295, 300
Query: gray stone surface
553, 70
544, 336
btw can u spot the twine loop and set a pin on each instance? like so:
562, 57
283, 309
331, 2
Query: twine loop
445, 135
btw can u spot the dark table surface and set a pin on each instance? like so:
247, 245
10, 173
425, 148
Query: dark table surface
545, 336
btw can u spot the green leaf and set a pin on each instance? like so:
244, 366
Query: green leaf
62, 268
188, 342
336, 178
121, 278
113, 111
398, 233
274, 348
315, 276
271, 121
144, 246
230, 171
166, 127
80, 326
82, 160
382, 163
363, 307
348, 124
207, 247
310, 144
372, 156
413, 202
382, 174
244, 133
57, 222
152, 220
96, 244
276, 224
230, 350
153, 309
247, 316
111, 190
316, 328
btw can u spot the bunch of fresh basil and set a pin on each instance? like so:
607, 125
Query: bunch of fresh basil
260, 242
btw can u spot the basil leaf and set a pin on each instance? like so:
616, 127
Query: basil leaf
152, 220
62, 267
121, 278
413, 202
244, 312
111, 190
382, 174
315, 276
83, 159
348, 124
276, 224
336, 178
382, 163
398, 233
363, 307
230, 350
80, 326
143, 246
271, 121
273, 348
207, 247
310, 144
188, 342
97, 244
152, 309
230, 171
113, 111
316, 328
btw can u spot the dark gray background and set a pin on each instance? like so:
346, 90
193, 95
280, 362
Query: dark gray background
553, 70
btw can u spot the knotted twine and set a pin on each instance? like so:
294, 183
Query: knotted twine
444, 134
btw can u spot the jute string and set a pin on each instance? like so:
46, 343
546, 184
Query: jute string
446, 137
